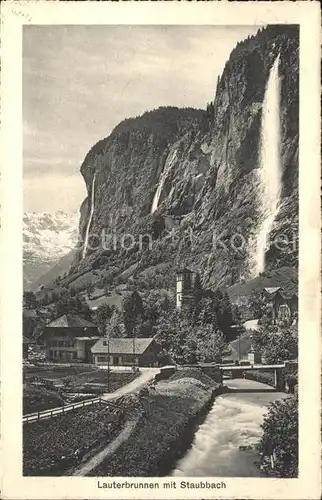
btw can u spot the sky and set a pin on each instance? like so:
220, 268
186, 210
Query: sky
81, 81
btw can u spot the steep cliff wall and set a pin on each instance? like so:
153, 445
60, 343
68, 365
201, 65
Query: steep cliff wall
211, 187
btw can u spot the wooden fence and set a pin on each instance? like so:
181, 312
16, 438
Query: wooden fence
36, 417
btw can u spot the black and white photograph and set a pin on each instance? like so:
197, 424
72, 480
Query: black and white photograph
161, 280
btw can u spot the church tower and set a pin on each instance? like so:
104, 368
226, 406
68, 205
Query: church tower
184, 288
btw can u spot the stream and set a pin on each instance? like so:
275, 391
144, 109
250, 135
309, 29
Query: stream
233, 421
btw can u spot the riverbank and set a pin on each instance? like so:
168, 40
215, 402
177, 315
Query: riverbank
169, 415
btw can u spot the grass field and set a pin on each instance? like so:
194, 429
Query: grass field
39, 399
53, 446
53, 372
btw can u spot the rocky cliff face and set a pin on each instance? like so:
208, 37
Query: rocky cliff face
208, 210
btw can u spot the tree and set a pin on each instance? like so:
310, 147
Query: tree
236, 314
211, 344
197, 291
132, 311
107, 282
30, 299
280, 437
69, 305
90, 289
115, 326
206, 312
257, 305
103, 315
276, 344
224, 311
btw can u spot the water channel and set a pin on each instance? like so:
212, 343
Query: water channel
233, 423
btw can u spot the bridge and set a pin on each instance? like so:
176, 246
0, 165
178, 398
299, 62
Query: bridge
238, 371
280, 370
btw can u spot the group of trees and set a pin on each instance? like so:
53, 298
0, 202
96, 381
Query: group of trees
197, 333
30, 299
212, 307
276, 344
184, 342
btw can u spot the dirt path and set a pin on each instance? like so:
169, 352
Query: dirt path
108, 450
134, 386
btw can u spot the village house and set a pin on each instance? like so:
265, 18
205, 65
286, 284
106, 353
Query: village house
70, 338
125, 352
26, 345
284, 304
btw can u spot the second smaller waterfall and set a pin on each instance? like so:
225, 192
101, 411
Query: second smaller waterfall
90, 218
162, 180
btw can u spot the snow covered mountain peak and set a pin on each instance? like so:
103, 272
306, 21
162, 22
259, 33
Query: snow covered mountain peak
46, 238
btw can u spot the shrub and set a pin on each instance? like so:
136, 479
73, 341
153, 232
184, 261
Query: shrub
280, 436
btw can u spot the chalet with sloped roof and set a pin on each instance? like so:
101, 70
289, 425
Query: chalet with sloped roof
125, 352
284, 303
70, 338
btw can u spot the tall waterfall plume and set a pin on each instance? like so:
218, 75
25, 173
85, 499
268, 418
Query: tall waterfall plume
162, 180
90, 218
270, 165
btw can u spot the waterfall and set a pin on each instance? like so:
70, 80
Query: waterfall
270, 168
90, 218
162, 180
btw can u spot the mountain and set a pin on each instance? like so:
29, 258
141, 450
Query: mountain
47, 238
189, 180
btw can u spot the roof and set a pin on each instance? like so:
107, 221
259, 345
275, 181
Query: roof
70, 321
272, 289
288, 295
87, 338
182, 269
121, 346
26, 340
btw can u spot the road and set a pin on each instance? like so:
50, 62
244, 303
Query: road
234, 421
251, 324
145, 376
